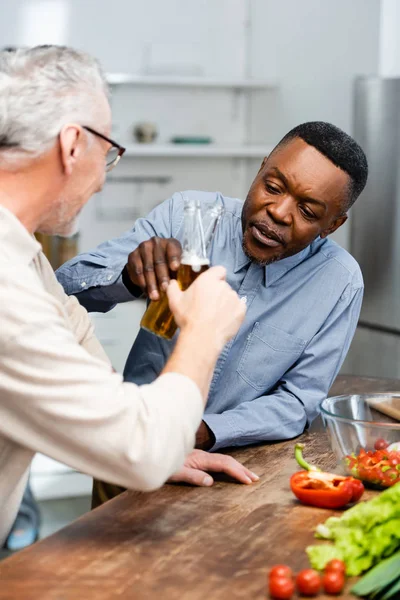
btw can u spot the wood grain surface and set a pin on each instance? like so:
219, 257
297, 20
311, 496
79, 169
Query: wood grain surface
183, 542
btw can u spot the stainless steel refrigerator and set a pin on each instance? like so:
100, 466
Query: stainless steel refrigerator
375, 229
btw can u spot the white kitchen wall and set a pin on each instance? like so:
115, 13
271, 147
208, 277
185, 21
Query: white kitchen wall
315, 49
389, 58
136, 35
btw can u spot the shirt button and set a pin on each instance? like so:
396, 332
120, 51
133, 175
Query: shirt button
244, 299
109, 278
83, 284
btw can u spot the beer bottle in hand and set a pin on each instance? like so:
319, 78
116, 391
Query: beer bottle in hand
197, 236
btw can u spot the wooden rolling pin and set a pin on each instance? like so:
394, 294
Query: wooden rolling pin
388, 406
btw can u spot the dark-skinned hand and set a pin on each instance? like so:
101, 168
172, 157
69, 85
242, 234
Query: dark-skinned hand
153, 263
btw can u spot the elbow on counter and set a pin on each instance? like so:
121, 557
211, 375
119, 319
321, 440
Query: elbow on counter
150, 477
162, 433
149, 483
150, 467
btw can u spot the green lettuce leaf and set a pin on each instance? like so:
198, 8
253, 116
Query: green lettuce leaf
366, 515
320, 555
362, 536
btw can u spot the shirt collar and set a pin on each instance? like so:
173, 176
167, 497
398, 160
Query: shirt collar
276, 270
15, 240
241, 259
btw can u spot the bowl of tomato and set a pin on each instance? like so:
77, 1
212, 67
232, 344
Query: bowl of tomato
365, 435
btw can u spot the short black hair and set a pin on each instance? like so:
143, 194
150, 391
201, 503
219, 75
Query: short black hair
339, 147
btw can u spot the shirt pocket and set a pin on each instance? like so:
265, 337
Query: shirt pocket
268, 354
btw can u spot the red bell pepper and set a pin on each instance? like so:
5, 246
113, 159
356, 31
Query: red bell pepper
324, 490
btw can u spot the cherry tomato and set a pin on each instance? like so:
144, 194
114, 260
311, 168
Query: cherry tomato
336, 565
281, 571
281, 588
308, 582
333, 582
381, 444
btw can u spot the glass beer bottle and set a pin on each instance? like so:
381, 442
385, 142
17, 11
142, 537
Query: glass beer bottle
158, 318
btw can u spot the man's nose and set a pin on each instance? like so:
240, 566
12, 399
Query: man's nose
281, 210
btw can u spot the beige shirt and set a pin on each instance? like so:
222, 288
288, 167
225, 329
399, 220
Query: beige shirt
58, 396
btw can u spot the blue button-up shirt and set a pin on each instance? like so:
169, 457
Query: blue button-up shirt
301, 315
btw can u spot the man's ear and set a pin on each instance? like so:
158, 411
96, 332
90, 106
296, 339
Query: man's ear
71, 138
335, 225
263, 164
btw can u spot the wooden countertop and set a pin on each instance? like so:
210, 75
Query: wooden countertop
183, 542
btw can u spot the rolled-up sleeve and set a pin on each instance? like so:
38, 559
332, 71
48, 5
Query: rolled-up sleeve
95, 277
287, 410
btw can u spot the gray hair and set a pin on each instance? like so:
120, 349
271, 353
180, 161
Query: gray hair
41, 90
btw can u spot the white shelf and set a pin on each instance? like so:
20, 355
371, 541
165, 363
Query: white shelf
197, 150
176, 81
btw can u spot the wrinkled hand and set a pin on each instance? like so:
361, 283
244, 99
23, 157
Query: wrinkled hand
149, 266
198, 462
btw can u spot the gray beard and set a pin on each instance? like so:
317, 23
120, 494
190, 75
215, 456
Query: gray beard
70, 229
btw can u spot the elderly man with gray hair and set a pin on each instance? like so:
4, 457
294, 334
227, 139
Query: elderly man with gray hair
58, 392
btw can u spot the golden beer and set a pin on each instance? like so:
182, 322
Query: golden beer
158, 318
198, 230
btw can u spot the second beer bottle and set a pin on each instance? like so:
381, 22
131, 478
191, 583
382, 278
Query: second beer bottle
197, 235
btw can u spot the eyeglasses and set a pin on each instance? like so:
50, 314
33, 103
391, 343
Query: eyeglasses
114, 153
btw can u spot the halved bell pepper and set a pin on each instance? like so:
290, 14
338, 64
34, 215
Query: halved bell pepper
324, 490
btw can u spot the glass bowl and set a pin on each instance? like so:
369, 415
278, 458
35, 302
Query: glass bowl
366, 441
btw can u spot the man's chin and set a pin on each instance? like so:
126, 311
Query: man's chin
69, 230
64, 230
257, 257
